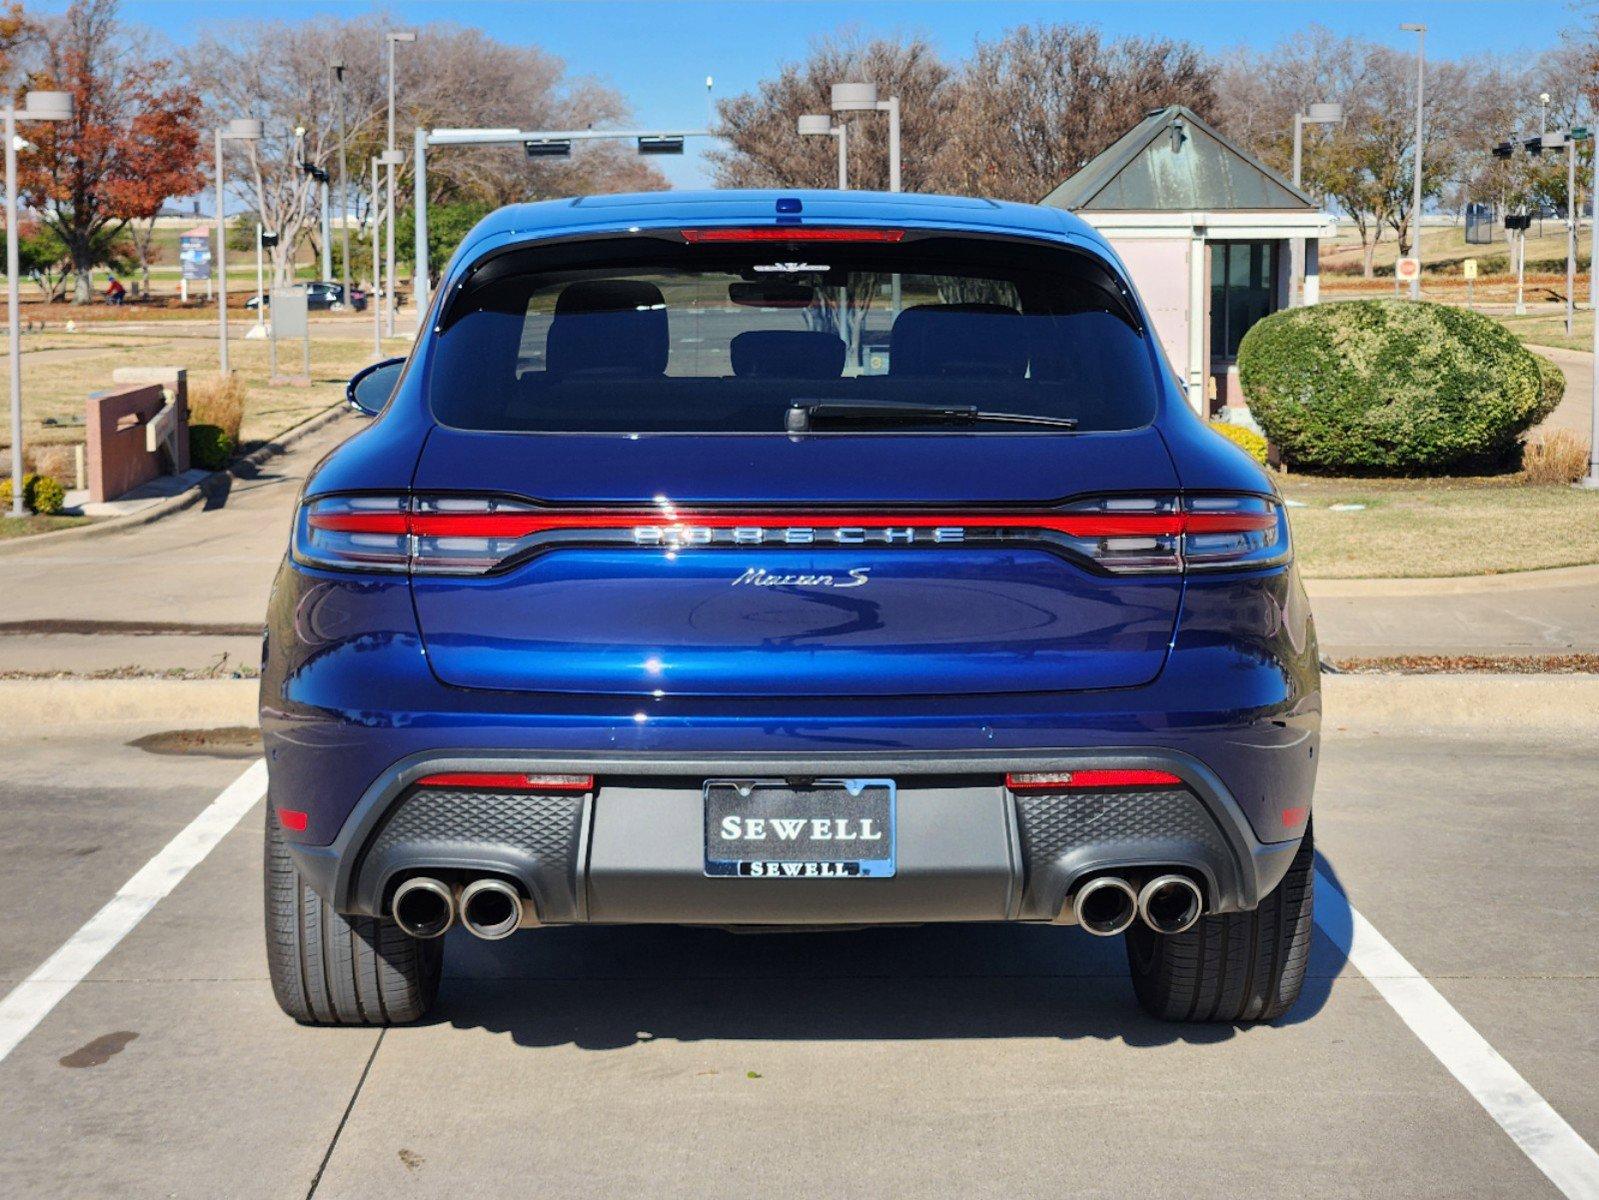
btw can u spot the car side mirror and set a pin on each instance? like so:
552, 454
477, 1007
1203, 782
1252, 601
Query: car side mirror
370, 388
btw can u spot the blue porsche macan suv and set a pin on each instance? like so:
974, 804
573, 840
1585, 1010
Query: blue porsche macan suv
787, 559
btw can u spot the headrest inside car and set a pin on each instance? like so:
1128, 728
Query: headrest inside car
787, 353
959, 340
612, 327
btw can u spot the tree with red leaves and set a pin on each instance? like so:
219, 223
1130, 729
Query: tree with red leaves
133, 142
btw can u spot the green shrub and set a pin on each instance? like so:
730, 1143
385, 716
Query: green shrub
40, 494
209, 447
1389, 387
1245, 438
1552, 387
49, 497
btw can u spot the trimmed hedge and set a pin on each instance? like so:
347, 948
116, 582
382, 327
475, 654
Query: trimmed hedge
1390, 387
1246, 439
1552, 387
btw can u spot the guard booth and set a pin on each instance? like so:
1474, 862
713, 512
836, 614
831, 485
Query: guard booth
1209, 234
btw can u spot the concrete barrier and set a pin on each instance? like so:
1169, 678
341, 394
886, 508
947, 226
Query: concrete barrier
121, 452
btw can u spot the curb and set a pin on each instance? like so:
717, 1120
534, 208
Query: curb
204, 489
1486, 705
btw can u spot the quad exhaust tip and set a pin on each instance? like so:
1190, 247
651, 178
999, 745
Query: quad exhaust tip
424, 907
1171, 903
491, 909
1106, 905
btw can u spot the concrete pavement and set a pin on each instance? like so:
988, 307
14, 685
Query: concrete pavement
943, 1060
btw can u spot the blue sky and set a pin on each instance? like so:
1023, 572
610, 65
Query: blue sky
658, 54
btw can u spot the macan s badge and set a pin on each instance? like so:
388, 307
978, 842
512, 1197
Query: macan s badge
760, 577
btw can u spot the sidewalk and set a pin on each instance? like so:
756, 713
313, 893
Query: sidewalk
187, 592
1537, 612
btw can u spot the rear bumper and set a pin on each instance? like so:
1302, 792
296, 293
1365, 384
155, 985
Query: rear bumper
632, 849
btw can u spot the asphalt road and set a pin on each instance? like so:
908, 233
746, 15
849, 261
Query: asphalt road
942, 1060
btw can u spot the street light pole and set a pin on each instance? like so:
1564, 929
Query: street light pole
337, 68
862, 97
1317, 114
260, 276
36, 106
243, 130
394, 36
1415, 205
377, 268
820, 125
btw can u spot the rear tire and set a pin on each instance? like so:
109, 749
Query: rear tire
329, 969
1233, 967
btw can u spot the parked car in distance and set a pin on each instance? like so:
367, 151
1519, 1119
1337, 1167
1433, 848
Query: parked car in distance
322, 295
787, 559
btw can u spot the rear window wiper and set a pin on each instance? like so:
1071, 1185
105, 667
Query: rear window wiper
804, 415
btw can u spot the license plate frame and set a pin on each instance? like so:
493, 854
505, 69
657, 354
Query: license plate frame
866, 806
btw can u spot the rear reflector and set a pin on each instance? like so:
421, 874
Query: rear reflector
293, 821
490, 781
1058, 781
792, 233
1294, 817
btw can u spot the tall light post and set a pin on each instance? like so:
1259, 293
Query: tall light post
822, 126
384, 289
1415, 205
377, 266
862, 97
337, 68
36, 106
394, 37
240, 129
1316, 114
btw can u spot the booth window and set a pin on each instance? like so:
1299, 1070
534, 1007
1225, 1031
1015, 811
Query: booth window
1243, 289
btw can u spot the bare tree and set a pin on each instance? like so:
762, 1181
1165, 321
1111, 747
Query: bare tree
1364, 165
1042, 100
451, 76
764, 150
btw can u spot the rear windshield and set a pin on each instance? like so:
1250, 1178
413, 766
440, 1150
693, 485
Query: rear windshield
645, 334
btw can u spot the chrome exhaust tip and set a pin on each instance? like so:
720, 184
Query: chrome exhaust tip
491, 909
1171, 903
424, 907
1105, 905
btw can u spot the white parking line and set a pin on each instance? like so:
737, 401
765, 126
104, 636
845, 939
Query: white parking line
1543, 1134
31, 1000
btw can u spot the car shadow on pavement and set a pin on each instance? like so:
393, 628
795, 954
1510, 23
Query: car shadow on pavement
602, 988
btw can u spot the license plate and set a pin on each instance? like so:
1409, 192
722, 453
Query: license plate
827, 829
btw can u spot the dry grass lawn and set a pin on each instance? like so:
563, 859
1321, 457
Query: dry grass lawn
69, 367
1438, 527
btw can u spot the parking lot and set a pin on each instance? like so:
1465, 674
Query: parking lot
938, 1060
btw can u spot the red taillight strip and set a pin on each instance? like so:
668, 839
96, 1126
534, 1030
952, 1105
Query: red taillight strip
522, 524
1045, 781
492, 781
793, 233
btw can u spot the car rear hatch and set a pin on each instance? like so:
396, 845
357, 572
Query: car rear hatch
654, 565
793, 460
